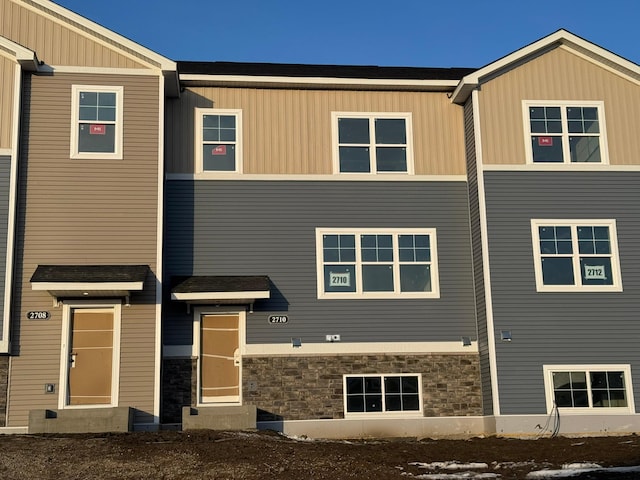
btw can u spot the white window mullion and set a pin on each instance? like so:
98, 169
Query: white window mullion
575, 258
373, 167
396, 263
587, 374
359, 273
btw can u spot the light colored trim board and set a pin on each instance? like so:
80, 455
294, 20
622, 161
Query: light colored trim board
213, 296
484, 235
358, 348
336, 348
26, 58
562, 167
387, 177
85, 286
576, 256
6, 151
203, 79
157, 387
98, 70
548, 388
110, 306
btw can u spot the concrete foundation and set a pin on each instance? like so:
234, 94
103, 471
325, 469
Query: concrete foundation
91, 420
241, 417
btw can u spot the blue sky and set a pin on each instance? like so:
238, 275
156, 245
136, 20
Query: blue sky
427, 33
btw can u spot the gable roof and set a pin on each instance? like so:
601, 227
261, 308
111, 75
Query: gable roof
559, 38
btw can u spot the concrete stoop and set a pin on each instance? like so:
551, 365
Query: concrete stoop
89, 420
241, 417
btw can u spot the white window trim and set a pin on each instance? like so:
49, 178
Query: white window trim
387, 414
615, 256
435, 279
195, 348
604, 150
200, 112
107, 306
548, 387
75, 120
407, 116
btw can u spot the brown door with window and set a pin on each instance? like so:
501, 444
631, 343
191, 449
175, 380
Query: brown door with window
90, 357
219, 358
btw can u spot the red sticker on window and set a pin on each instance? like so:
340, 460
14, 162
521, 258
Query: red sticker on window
219, 150
545, 141
96, 129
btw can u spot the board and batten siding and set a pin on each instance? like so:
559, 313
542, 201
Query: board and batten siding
84, 212
57, 40
269, 228
7, 92
558, 75
288, 131
559, 328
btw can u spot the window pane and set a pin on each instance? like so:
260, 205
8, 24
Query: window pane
355, 403
391, 131
373, 403
563, 398
89, 98
88, 113
616, 379
411, 402
392, 384
409, 384
219, 157
377, 278
355, 385
415, 278
391, 159
561, 380
557, 271
585, 149
107, 114
580, 398
353, 130
98, 138
547, 149
372, 385
354, 159
617, 398
339, 278
393, 403
596, 271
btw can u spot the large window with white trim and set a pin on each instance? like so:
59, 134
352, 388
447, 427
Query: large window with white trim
372, 143
377, 263
382, 394
597, 388
565, 132
218, 140
96, 121
576, 255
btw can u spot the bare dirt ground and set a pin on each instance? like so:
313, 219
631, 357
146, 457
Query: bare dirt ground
268, 455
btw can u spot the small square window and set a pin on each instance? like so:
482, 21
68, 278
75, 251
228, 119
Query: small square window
576, 255
218, 140
372, 143
96, 130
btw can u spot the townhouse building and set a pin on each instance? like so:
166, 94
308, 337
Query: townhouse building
325, 250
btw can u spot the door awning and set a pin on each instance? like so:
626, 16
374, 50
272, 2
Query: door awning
221, 289
85, 281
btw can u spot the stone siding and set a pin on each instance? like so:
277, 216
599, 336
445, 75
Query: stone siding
178, 387
298, 388
4, 379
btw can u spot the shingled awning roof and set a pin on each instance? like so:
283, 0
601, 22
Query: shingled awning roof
83, 281
221, 289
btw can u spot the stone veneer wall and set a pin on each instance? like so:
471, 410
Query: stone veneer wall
4, 379
178, 387
299, 388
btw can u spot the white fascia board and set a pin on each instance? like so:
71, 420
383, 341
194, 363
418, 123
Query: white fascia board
25, 57
163, 63
203, 79
199, 296
87, 286
561, 37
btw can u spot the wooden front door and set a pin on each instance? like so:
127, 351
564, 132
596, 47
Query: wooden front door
219, 358
90, 357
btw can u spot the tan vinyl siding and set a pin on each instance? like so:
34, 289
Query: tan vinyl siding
7, 76
85, 212
57, 43
288, 131
558, 75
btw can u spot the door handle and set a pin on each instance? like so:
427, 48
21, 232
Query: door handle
236, 358
72, 359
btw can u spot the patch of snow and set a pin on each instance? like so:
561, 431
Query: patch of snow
571, 470
450, 466
458, 476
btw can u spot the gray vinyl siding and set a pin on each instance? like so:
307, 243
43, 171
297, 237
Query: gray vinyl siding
269, 228
559, 328
478, 267
5, 173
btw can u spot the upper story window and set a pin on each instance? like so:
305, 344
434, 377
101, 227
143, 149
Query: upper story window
584, 389
218, 140
377, 263
565, 132
576, 255
372, 143
96, 121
